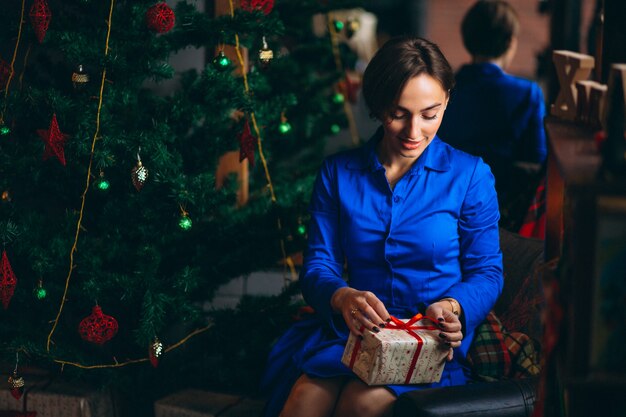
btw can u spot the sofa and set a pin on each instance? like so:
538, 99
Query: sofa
519, 309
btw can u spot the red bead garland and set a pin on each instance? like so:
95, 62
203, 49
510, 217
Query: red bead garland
40, 17
160, 18
8, 282
98, 327
265, 6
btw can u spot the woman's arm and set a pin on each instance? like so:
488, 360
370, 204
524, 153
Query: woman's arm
322, 271
480, 255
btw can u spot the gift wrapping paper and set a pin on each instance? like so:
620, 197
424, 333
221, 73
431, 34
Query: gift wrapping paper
405, 352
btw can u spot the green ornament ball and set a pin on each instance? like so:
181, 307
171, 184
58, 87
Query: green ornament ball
334, 128
4, 130
301, 229
338, 98
284, 128
221, 61
40, 293
103, 184
185, 222
338, 24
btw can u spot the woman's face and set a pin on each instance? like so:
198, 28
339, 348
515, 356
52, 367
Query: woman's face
412, 123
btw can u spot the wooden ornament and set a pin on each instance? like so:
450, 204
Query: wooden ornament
570, 68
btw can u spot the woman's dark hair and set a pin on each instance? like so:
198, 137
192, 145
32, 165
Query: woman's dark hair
488, 28
396, 62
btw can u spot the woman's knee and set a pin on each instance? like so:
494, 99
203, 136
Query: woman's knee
360, 400
312, 397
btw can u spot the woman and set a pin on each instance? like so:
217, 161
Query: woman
416, 223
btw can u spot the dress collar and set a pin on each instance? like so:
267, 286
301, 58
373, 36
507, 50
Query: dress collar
434, 157
481, 69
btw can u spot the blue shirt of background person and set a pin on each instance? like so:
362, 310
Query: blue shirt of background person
493, 114
414, 220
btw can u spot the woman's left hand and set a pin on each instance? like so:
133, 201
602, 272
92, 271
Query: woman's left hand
450, 325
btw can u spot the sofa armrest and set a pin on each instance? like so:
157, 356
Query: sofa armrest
510, 398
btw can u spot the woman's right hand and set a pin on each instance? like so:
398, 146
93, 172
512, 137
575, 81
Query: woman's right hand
360, 309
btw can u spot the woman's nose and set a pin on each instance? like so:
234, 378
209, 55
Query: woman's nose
414, 128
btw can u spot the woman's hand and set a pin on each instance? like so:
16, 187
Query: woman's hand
360, 308
449, 323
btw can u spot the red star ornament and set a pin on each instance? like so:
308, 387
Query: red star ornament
8, 281
247, 143
40, 17
54, 140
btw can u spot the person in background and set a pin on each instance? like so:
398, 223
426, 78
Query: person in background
414, 221
495, 115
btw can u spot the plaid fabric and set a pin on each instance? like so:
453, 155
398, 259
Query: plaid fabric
534, 224
498, 354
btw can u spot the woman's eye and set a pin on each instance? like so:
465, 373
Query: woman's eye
396, 116
429, 116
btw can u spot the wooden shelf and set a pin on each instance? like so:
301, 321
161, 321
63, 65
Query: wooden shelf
574, 151
584, 211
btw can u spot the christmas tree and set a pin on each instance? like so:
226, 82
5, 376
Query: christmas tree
114, 232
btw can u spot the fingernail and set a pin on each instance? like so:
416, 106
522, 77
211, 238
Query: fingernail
448, 343
440, 319
375, 329
441, 335
382, 325
388, 320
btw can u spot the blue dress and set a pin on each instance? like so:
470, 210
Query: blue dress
434, 235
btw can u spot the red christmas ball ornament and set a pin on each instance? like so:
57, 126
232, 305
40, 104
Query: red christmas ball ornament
40, 17
160, 18
97, 328
265, 6
8, 282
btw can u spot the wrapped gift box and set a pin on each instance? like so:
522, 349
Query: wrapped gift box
70, 399
49, 397
404, 352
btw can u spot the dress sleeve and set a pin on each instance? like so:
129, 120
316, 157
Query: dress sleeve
480, 255
321, 273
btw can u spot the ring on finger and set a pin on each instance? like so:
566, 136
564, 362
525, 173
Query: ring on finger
353, 312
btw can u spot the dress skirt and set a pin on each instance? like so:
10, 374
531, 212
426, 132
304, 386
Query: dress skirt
313, 347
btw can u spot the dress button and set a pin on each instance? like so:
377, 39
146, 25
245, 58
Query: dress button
396, 199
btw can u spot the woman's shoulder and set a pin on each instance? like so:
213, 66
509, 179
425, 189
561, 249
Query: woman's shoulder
456, 157
523, 84
358, 158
